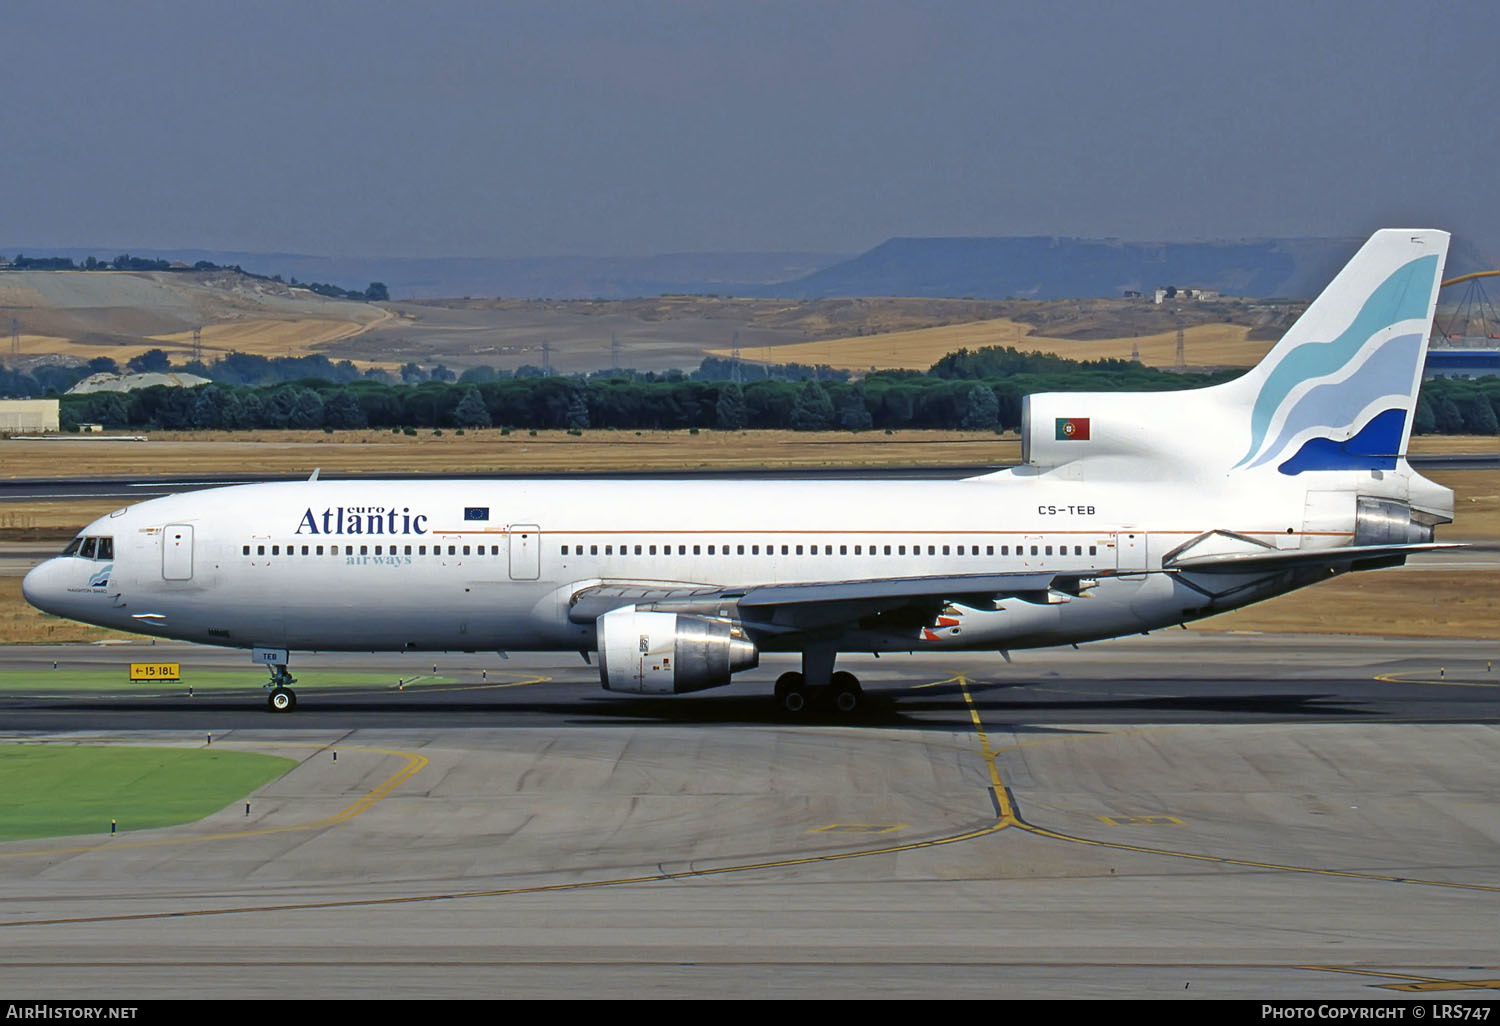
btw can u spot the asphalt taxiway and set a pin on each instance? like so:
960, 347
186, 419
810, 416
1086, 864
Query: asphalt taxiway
1181, 815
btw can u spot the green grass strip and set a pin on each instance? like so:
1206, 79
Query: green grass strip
52, 790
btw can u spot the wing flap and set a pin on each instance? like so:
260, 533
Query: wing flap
812, 604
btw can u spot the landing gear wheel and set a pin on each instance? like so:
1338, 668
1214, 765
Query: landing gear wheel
282, 700
791, 693
847, 693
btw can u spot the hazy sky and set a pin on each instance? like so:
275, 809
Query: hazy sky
441, 128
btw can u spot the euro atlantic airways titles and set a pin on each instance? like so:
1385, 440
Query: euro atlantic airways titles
363, 520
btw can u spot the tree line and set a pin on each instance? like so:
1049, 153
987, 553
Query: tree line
980, 391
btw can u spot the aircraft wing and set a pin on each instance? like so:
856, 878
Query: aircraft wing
781, 608
1343, 557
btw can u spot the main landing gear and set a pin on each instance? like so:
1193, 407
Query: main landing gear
818, 686
281, 697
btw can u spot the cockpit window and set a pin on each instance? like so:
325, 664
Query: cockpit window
91, 548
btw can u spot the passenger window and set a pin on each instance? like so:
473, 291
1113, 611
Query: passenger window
945, 550
697, 550
319, 550
246, 552
1093, 550
450, 550
799, 550
784, 550
739, 550
609, 550
710, 550
652, 550
466, 550
1049, 550
637, 550
275, 550
989, 550
364, 550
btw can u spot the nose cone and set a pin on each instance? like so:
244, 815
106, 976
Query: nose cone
43, 587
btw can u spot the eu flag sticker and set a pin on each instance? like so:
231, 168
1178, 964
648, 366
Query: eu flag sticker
1072, 429
476, 512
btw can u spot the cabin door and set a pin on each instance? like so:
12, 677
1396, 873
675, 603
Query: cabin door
1130, 552
525, 552
177, 552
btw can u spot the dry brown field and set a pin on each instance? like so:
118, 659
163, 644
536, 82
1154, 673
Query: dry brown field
265, 337
1204, 345
1412, 601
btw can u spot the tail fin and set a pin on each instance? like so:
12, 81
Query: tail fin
1338, 392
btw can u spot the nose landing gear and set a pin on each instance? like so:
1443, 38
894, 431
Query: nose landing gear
281, 698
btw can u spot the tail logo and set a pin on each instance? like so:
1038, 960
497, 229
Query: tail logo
1343, 403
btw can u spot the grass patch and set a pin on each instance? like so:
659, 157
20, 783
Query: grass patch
63, 790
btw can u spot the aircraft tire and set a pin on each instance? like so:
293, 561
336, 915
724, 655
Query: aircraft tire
791, 693
847, 693
281, 700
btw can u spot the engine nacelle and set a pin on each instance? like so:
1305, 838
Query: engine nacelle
668, 653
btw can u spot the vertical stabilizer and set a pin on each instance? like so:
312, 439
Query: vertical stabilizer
1339, 390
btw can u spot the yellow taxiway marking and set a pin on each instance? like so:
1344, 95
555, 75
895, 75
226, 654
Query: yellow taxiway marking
414, 764
1396, 678
858, 828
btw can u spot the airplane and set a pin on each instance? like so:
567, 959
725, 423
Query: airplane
1129, 512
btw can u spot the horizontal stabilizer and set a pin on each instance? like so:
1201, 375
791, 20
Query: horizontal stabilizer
1343, 557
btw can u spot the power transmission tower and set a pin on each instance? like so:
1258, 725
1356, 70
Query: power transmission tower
1181, 343
614, 351
198, 344
734, 370
15, 339
546, 359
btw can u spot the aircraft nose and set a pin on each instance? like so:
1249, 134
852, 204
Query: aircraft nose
42, 587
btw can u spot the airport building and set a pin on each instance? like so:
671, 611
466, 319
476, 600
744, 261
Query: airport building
23, 415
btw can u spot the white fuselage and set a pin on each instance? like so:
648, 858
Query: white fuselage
475, 565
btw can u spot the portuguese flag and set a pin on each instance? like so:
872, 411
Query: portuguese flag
1072, 429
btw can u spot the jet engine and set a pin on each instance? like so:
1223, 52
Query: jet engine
649, 653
